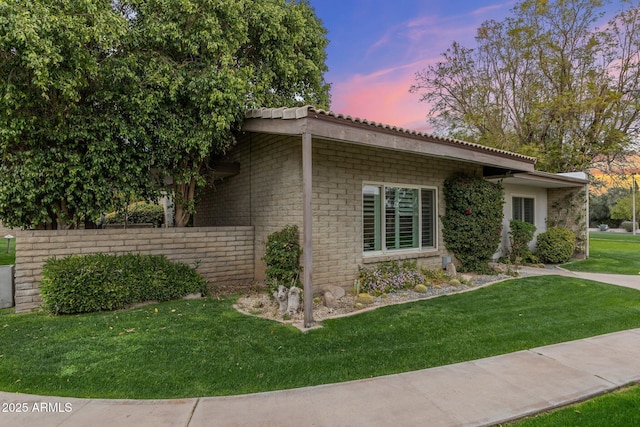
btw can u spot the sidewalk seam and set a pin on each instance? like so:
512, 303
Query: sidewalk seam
193, 410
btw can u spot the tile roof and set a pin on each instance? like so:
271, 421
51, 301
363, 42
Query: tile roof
291, 113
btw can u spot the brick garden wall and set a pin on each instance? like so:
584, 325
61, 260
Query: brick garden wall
224, 254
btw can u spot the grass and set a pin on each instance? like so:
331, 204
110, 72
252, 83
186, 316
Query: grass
7, 258
206, 348
610, 253
620, 408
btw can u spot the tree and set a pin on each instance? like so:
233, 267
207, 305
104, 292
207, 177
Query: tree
543, 82
623, 208
600, 205
198, 65
104, 100
63, 155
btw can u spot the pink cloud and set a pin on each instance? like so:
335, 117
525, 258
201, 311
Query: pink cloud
383, 96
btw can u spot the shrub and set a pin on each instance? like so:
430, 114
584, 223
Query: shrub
390, 276
282, 257
556, 245
520, 234
628, 226
87, 283
472, 224
138, 213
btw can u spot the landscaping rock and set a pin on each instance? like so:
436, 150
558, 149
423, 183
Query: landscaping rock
451, 270
293, 305
329, 299
282, 296
364, 299
337, 292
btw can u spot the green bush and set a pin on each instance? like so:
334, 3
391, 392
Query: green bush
556, 245
520, 234
628, 226
472, 224
282, 257
138, 213
88, 283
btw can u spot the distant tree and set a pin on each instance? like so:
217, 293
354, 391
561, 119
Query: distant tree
623, 209
600, 205
543, 82
196, 66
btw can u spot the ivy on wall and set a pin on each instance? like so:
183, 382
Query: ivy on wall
472, 224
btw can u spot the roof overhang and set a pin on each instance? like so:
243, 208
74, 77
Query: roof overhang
543, 179
326, 125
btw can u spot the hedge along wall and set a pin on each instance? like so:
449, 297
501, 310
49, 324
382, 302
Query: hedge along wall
225, 255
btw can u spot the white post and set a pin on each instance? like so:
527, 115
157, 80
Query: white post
633, 203
307, 219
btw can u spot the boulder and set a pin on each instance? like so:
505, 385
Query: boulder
337, 292
329, 299
294, 300
451, 270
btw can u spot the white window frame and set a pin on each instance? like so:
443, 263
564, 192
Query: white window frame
513, 206
381, 216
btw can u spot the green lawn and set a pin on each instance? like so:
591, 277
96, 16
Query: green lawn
610, 253
206, 348
617, 409
7, 258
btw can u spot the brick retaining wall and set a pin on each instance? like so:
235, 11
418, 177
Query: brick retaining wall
225, 255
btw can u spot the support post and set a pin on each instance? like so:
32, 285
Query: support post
633, 196
307, 219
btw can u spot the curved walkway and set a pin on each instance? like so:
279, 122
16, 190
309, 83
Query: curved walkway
481, 392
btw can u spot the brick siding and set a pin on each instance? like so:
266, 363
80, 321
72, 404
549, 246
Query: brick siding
267, 194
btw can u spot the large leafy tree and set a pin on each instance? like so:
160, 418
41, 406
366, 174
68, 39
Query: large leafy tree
63, 154
96, 95
544, 82
198, 65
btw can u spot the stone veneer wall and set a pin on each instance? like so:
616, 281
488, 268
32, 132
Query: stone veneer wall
567, 207
223, 255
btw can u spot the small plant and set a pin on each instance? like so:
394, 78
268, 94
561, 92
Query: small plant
282, 257
389, 277
556, 245
421, 289
520, 234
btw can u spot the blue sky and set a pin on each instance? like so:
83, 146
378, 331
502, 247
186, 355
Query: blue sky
377, 46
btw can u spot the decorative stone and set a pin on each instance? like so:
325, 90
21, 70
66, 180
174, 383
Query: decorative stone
451, 270
282, 296
421, 289
364, 299
337, 292
294, 300
329, 299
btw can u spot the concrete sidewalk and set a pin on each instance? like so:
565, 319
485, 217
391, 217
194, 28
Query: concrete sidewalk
481, 392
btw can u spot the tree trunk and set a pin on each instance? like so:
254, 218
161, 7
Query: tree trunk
184, 199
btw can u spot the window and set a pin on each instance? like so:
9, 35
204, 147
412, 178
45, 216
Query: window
396, 218
523, 209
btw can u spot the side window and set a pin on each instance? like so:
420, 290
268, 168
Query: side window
524, 209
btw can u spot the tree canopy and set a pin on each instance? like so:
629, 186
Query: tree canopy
98, 94
545, 82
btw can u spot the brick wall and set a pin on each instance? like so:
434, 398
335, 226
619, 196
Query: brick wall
224, 254
267, 194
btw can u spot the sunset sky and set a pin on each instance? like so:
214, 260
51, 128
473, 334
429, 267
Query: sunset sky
377, 46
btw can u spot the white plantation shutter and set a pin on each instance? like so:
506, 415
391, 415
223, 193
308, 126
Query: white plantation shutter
371, 218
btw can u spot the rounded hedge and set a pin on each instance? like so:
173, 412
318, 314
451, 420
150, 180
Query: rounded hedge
97, 282
556, 245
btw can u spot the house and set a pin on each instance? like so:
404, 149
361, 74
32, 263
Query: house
329, 174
